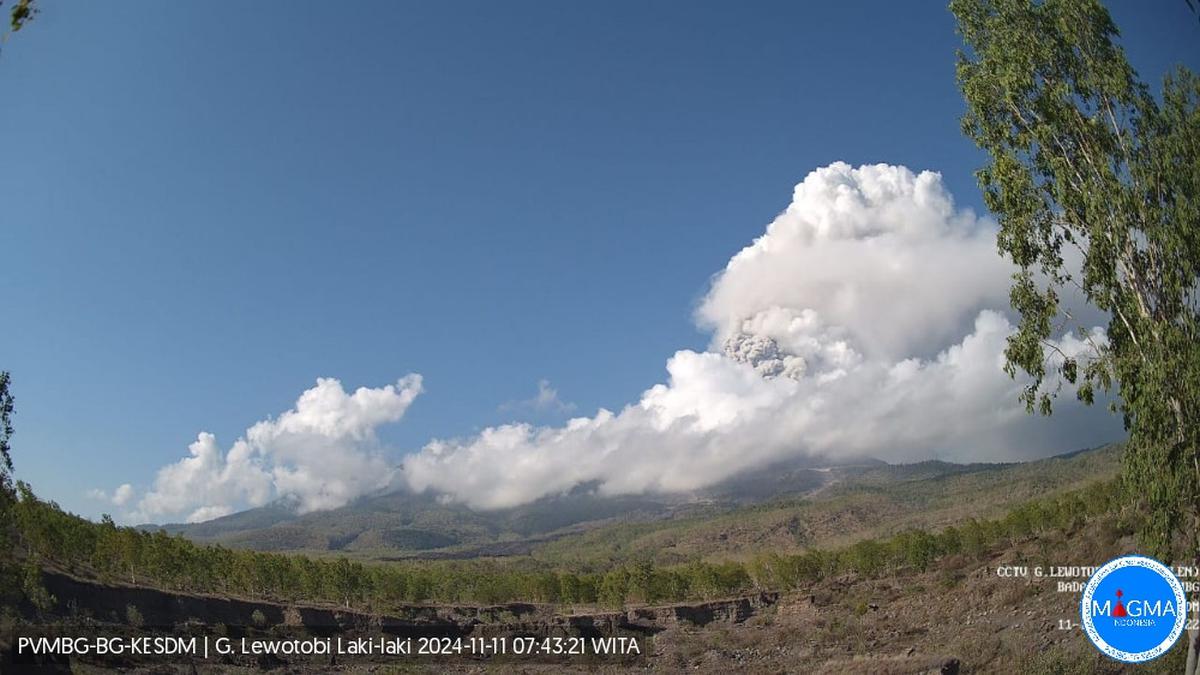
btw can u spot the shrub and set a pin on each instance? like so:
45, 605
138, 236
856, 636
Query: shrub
133, 617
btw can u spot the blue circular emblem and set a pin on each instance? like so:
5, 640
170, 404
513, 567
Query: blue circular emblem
1133, 608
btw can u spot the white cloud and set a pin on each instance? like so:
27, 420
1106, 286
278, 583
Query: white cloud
867, 320
877, 257
209, 512
119, 497
546, 400
323, 452
122, 494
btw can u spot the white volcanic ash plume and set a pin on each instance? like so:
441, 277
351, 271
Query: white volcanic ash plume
869, 319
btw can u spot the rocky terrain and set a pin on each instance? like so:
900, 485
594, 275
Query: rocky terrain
951, 614
959, 616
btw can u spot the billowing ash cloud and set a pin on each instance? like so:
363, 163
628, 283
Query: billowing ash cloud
323, 452
869, 263
868, 320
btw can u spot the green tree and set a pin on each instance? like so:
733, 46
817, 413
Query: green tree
570, 588
866, 557
9, 572
613, 588
915, 548
6, 432
347, 581
1095, 182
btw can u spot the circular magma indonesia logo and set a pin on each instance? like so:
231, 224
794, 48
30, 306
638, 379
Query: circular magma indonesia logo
1133, 608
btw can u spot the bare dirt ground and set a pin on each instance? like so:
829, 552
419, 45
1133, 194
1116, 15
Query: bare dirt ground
959, 616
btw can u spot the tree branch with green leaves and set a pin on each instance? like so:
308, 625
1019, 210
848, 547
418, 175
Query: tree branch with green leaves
22, 12
1096, 185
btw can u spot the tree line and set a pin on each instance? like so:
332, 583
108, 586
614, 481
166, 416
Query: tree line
47, 536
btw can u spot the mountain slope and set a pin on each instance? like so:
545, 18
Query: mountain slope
858, 503
784, 506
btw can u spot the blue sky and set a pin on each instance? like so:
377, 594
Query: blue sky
207, 209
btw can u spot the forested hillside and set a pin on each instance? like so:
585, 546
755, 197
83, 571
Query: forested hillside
48, 537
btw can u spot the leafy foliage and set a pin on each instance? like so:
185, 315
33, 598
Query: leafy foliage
6, 431
11, 576
22, 12
1095, 184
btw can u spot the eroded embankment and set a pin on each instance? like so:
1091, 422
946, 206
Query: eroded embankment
110, 603
81, 605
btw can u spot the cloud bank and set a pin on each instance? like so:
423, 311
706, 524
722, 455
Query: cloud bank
868, 320
322, 452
